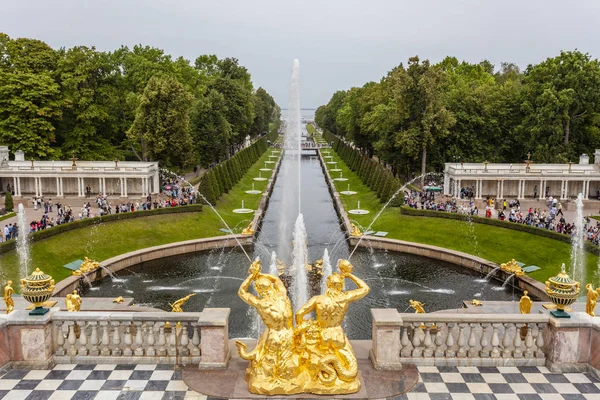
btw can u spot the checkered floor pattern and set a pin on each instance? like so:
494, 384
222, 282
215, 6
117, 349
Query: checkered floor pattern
483, 383
161, 382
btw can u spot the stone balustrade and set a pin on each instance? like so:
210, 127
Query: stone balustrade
142, 337
457, 339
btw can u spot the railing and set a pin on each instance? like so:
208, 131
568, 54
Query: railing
142, 337
458, 339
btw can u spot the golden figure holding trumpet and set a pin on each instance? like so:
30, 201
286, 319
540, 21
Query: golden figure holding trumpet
316, 356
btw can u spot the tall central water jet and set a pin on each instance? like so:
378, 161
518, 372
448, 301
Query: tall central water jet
578, 240
299, 262
22, 242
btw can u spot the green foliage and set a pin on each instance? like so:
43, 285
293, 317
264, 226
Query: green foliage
8, 202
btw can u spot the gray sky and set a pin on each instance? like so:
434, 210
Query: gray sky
340, 43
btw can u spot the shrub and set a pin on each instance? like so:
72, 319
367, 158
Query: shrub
8, 202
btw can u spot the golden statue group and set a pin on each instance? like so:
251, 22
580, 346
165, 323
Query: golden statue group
315, 356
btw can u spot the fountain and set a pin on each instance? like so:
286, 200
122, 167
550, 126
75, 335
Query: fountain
253, 191
266, 168
578, 241
358, 210
491, 273
341, 178
298, 267
273, 265
348, 192
326, 270
259, 178
335, 168
22, 241
243, 210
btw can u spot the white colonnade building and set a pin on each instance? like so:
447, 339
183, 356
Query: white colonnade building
520, 181
70, 178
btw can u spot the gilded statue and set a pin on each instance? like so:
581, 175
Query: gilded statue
248, 230
512, 267
87, 266
417, 306
330, 360
8, 292
118, 300
525, 303
73, 301
592, 299
476, 303
273, 368
177, 304
315, 356
355, 231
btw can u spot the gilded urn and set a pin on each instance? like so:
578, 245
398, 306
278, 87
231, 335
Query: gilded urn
37, 288
562, 291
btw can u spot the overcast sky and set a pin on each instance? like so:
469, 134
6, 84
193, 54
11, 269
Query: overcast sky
340, 43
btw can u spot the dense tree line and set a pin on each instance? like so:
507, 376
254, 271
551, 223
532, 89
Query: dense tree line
421, 115
223, 177
126, 104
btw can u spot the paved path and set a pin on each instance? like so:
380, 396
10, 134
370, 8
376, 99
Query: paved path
133, 382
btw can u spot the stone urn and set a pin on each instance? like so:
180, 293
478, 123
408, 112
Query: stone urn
37, 288
563, 292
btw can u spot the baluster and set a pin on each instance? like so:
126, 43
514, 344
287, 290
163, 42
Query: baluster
472, 342
495, 341
151, 352
416, 342
72, 339
60, 339
405, 342
428, 343
184, 341
439, 340
94, 340
162, 341
105, 339
127, 341
139, 338
195, 345
450, 350
517, 342
529, 342
462, 341
172, 350
506, 342
539, 342
83, 340
116, 339
484, 343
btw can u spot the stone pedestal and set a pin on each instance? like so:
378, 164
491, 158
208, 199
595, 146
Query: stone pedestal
214, 339
30, 339
385, 351
568, 343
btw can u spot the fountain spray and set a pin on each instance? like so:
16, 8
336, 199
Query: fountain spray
326, 271
578, 240
22, 241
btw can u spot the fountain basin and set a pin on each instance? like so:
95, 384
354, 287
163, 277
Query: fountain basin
358, 212
340, 179
269, 162
253, 192
348, 192
331, 162
335, 170
260, 179
243, 210
266, 169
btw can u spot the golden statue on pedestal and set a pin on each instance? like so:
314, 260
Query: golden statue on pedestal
316, 356
525, 303
355, 231
88, 265
248, 230
512, 267
592, 299
417, 306
73, 301
8, 292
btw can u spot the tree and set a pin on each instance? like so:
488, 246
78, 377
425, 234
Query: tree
161, 128
210, 129
8, 202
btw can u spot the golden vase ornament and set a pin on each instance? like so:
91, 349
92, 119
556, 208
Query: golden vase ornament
563, 292
37, 288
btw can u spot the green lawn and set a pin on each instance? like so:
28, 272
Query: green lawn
492, 243
113, 238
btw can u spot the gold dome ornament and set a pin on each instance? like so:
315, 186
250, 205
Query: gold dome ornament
563, 292
37, 288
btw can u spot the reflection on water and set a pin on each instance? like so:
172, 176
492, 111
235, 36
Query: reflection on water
215, 276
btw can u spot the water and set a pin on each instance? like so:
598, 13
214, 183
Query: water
23, 242
491, 273
299, 261
273, 265
507, 280
577, 241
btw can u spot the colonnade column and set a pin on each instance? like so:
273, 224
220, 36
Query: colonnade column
100, 188
15, 185
104, 185
156, 185
143, 186
125, 181
542, 189
57, 186
477, 188
62, 189
40, 186
79, 194
502, 189
498, 189
18, 186
122, 185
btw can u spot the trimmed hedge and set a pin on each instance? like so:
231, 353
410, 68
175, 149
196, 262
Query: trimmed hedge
497, 223
58, 229
224, 176
379, 179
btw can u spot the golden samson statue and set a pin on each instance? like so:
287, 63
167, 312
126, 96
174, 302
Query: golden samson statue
315, 356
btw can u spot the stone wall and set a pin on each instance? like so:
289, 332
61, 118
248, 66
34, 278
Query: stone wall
266, 196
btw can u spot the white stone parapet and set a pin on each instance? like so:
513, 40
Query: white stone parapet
142, 337
440, 339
